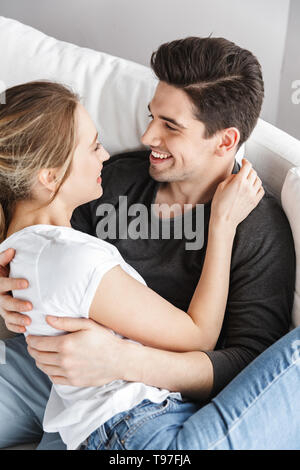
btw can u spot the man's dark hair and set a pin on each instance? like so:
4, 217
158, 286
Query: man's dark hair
223, 81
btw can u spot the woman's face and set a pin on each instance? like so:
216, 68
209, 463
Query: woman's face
84, 182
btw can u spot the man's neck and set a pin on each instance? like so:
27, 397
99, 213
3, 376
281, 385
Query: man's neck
192, 192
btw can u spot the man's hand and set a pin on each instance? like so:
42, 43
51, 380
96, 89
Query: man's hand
10, 307
89, 356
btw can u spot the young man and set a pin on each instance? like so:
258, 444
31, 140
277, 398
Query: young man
205, 106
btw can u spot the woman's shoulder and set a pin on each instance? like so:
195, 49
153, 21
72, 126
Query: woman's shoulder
68, 260
59, 245
68, 244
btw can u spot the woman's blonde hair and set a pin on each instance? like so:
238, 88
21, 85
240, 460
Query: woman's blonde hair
37, 130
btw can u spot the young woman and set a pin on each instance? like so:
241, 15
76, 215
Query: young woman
50, 163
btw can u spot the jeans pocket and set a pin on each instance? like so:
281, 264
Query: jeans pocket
178, 400
148, 406
145, 413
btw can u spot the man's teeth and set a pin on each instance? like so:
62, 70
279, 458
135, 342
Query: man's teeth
160, 155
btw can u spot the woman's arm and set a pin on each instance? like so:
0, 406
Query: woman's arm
135, 311
208, 304
233, 201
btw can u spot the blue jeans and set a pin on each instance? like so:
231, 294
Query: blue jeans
259, 409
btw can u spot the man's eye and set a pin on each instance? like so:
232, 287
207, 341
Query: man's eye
98, 146
167, 125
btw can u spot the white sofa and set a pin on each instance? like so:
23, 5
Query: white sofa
116, 93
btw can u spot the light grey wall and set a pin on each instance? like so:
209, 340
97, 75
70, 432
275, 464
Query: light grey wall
134, 28
289, 102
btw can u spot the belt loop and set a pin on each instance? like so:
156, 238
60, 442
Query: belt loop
102, 434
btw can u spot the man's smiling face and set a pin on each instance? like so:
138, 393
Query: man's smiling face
175, 133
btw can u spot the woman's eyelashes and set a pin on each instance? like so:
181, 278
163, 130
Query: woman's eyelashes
167, 125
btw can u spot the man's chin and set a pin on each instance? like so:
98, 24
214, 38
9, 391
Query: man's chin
159, 177
165, 176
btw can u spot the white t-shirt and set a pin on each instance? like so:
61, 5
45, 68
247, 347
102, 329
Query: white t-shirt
64, 268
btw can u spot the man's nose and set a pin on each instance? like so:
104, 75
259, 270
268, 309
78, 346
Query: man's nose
151, 137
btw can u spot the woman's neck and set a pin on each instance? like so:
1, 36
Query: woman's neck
27, 213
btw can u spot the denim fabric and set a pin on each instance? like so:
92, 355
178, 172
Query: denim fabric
259, 409
155, 418
24, 392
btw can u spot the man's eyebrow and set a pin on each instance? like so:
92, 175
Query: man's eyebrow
169, 119
95, 138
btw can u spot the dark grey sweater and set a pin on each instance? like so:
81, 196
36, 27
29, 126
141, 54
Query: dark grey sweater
262, 275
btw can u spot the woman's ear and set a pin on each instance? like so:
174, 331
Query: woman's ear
229, 139
47, 177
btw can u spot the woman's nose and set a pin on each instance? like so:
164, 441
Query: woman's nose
105, 155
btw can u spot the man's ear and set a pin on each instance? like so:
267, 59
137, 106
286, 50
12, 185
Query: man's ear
47, 177
229, 139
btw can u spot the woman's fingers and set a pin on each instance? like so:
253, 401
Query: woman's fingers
260, 194
257, 183
237, 196
246, 172
245, 168
252, 176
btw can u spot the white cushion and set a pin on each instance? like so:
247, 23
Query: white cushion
115, 91
290, 199
272, 152
241, 154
